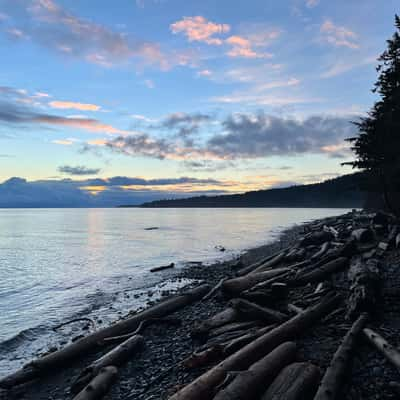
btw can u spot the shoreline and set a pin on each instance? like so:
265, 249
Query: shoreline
166, 346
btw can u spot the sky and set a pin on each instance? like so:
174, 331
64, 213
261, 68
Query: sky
106, 103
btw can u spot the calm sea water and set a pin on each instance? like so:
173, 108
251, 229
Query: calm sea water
56, 264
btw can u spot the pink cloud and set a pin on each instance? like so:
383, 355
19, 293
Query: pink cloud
242, 47
339, 36
73, 105
198, 29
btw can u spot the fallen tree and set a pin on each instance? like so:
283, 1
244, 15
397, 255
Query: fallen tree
332, 382
49, 363
249, 384
202, 388
297, 381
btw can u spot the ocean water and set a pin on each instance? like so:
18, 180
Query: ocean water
59, 264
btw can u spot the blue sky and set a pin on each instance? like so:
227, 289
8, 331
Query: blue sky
232, 96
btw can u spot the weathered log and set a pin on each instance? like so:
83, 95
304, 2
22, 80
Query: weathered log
332, 382
295, 309
248, 385
49, 363
321, 252
316, 238
275, 291
297, 381
269, 282
363, 235
214, 290
234, 326
237, 285
383, 346
241, 341
116, 357
99, 386
364, 280
253, 311
224, 317
322, 272
202, 387
269, 264
163, 267
199, 359
251, 267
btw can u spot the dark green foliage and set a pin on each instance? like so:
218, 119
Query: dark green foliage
377, 148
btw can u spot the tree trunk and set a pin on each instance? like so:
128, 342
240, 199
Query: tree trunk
269, 264
249, 268
298, 381
253, 311
364, 286
99, 386
248, 385
116, 357
237, 285
318, 274
383, 346
50, 363
224, 317
324, 248
202, 387
332, 382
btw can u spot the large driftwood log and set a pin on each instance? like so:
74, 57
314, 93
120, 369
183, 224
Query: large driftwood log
248, 385
297, 381
324, 248
332, 382
269, 264
99, 386
232, 327
237, 285
251, 267
49, 363
364, 280
202, 388
316, 238
214, 290
363, 235
390, 352
116, 357
222, 318
322, 272
253, 311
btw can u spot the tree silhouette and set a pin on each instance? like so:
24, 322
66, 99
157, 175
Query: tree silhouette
377, 147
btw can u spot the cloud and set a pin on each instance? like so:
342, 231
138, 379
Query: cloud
245, 136
204, 72
73, 105
48, 24
312, 3
243, 47
149, 83
260, 135
79, 170
13, 113
198, 29
341, 67
253, 98
338, 36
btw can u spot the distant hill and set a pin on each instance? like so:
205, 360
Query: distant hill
341, 192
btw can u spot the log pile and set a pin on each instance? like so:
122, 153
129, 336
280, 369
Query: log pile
249, 348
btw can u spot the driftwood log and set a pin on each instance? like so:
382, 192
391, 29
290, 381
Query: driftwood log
50, 363
99, 386
237, 285
251, 267
249, 384
202, 388
269, 264
116, 357
390, 352
332, 382
163, 267
214, 290
316, 238
253, 311
324, 248
297, 381
320, 273
364, 280
363, 235
222, 318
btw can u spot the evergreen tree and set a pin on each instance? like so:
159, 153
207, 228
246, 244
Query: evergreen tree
377, 147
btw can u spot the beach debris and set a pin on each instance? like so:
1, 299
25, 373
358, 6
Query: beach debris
86, 319
100, 385
297, 381
163, 267
334, 376
151, 228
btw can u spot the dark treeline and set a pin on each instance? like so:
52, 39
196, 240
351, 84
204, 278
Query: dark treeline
339, 192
